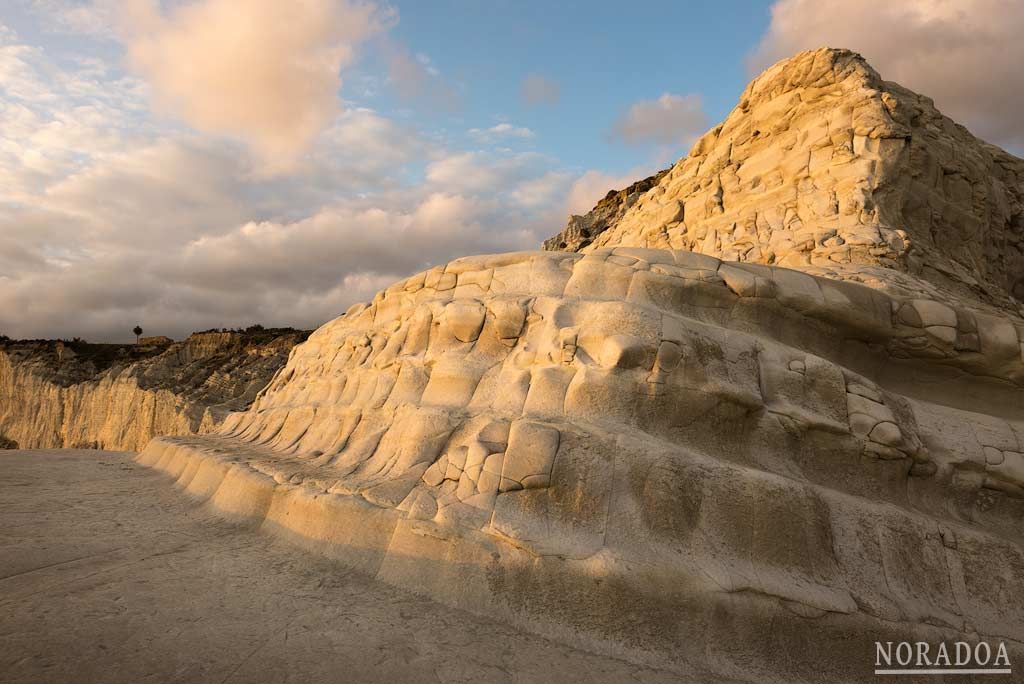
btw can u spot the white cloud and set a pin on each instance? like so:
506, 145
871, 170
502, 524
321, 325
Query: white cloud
311, 254
93, 263
110, 216
53, 119
590, 187
546, 190
265, 71
503, 130
427, 64
965, 54
668, 120
153, 196
94, 18
372, 148
537, 90
479, 171
107, 219
301, 272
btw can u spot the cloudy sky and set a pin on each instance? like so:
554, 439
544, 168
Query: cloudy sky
189, 164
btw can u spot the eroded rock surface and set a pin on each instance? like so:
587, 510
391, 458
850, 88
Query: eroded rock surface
653, 451
826, 167
581, 230
771, 413
55, 394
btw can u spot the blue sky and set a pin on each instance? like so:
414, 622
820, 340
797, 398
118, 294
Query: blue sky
187, 164
603, 55
601, 58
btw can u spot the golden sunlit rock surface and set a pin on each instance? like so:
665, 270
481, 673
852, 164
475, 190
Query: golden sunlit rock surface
74, 394
825, 167
772, 414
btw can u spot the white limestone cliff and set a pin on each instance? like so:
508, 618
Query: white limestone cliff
774, 413
825, 167
51, 396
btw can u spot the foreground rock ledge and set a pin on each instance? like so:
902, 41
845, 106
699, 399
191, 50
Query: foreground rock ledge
136, 583
654, 453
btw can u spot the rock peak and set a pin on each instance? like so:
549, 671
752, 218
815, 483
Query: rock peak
818, 68
825, 167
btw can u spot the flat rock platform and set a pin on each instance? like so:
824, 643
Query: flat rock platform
108, 574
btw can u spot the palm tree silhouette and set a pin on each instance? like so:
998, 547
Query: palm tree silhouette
138, 332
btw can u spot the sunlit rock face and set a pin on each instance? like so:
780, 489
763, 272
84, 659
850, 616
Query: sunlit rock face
825, 167
121, 396
652, 448
581, 230
753, 472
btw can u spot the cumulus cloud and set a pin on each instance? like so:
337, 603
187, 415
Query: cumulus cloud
590, 187
263, 70
300, 272
52, 119
153, 196
538, 90
375, 150
668, 120
110, 216
311, 254
484, 171
546, 190
965, 54
108, 219
70, 267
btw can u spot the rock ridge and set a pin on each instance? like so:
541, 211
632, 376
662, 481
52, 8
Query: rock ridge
768, 413
825, 167
654, 453
582, 230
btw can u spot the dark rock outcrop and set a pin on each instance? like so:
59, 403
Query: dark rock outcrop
112, 396
581, 230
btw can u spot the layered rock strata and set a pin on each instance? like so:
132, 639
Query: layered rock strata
767, 411
655, 453
56, 394
825, 167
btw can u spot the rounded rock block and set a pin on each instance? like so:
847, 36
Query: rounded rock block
473, 283
530, 455
465, 319
931, 313
453, 381
593, 276
547, 389
244, 493
1010, 468
420, 505
622, 351
509, 318
669, 354
741, 282
886, 433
